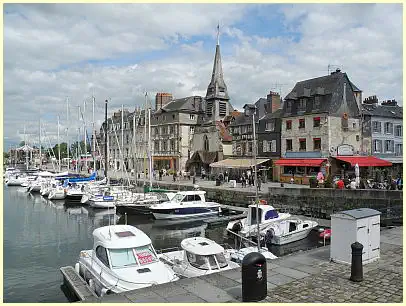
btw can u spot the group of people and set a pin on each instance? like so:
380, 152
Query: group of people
247, 178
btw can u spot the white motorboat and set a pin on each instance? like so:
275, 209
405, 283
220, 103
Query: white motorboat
186, 205
198, 256
104, 201
237, 255
142, 204
122, 259
57, 193
287, 231
247, 227
74, 192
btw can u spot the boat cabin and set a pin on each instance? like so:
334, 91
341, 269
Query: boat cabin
265, 212
203, 253
122, 246
189, 196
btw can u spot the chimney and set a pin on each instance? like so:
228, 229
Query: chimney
161, 99
273, 102
389, 103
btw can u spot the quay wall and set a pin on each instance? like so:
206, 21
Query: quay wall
315, 202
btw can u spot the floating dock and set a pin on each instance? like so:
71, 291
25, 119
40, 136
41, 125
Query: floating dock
77, 284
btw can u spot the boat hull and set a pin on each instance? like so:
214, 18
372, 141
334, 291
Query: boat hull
184, 213
101, 204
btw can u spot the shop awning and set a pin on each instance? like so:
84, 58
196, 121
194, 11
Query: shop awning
240, 163
301, 162
364, 161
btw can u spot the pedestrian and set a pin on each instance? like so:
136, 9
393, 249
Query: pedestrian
259, 184
160, 174
174, 176
399, 183
340, 184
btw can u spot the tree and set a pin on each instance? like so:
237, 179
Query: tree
22, 143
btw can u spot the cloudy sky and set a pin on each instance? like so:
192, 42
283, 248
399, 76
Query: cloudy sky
117, 51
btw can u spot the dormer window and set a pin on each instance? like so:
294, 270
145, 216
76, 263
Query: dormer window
288, 106
302, 105
316, 102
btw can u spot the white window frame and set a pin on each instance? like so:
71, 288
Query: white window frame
401, 130
377, 146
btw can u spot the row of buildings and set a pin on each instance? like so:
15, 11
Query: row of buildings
323, 124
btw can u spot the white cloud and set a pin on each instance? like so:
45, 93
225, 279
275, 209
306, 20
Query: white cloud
47, 49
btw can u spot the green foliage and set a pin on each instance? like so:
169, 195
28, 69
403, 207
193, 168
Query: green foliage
313, 182
328, 183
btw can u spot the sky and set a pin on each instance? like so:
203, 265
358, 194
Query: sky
55, 52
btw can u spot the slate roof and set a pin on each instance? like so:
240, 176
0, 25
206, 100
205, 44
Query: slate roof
275, 114
383, 111
223, 132
330, 88
190, 104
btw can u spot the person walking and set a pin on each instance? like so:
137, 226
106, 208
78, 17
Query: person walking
259, 184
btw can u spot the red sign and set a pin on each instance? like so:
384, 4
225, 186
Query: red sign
145, 258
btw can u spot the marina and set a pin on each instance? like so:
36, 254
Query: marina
42, 236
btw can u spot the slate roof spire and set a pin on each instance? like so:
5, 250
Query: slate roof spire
217, 88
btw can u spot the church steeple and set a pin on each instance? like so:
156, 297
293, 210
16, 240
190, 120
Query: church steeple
217, 88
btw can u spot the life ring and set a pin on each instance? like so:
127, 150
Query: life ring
345, 116
237, 227
269, 235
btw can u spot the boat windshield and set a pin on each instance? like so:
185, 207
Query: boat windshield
208, 262
178, 197
138, 256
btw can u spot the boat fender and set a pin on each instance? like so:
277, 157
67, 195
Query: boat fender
105, 291
269, 235
77, 268
237, 227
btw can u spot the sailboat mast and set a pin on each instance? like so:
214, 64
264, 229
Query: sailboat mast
105, 141
77, 146
145, 138
94, 135
122, 137
256, 181
67, 130
134, 149
59, 149
149, 147
40, 152
26, 153
84, 131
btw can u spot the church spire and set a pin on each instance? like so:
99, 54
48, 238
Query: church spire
217, 88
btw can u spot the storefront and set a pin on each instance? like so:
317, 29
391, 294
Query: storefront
300, 169
164, 162
344, 166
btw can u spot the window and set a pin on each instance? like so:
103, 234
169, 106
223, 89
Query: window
172, 141
165, 146
209, 108
316, 122
399, 149
288, 124
376, 126
357, 137
302, 105
288, 106
206, 143
127, 138
250, 147
289, 170
222, 108
377, 146
302, 144
313, 170
244, 129
270, 126
197, 261
289, 145
191, 129
398, 130
389, 146
156, 146
171, 129
388, 128
354, 125
250, 129
300, 170
132, 256
101, 254
192, 117
156, 131
316, 144
301, 124
126, 152
265, 146
316, 102
273, 146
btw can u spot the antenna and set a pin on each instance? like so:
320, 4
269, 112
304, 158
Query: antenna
277, 86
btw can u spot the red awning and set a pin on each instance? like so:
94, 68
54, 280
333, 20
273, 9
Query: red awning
310, 162
365, 161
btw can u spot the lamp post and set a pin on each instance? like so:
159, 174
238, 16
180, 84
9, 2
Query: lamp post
105, 141
256, 179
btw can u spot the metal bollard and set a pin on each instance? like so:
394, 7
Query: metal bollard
194, 180
356, 262
254, 279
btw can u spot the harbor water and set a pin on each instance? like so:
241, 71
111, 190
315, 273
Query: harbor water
40, 236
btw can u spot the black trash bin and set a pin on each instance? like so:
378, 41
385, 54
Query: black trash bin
218, 182
254, 279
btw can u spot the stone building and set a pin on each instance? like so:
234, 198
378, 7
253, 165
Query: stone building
383, 128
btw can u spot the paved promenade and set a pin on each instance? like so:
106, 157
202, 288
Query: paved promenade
302, 277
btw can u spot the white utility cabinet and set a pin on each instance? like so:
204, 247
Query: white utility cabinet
347, 227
